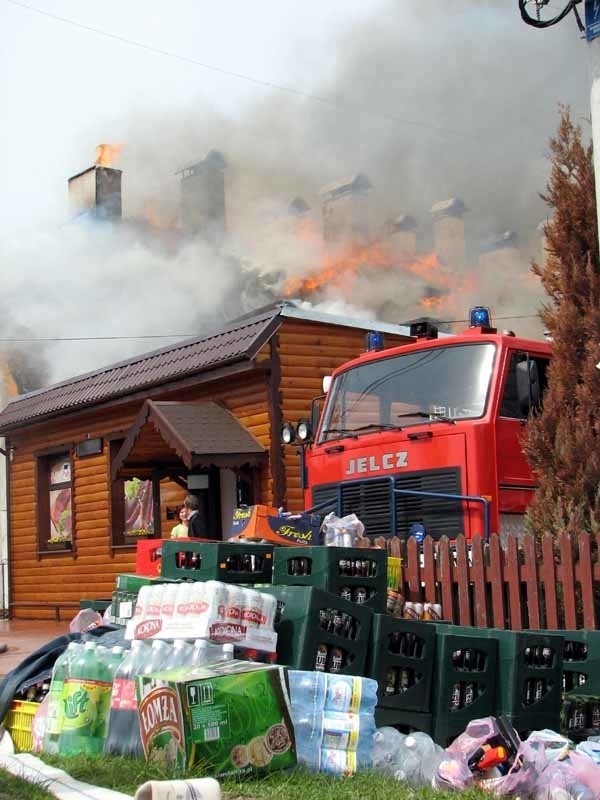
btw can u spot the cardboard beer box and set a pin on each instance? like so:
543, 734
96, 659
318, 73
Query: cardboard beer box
264, 523
233, 717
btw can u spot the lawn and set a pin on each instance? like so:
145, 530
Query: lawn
126, 775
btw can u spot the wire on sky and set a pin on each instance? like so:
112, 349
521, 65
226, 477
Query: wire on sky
328, 101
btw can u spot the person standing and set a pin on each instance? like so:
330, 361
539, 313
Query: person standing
196, 529
181, 529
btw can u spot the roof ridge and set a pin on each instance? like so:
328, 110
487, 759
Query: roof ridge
235, 324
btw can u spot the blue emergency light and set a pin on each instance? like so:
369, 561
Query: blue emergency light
480, 317
374, 341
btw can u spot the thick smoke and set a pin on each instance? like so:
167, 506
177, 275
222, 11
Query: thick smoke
429, 99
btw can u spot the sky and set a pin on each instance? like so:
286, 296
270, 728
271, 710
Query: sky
430, 99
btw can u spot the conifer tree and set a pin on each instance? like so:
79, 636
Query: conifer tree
563, 441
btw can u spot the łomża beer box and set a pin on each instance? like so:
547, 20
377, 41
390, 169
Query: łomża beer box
233, 717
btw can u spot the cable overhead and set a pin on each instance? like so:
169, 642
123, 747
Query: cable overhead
279, 87
537, 21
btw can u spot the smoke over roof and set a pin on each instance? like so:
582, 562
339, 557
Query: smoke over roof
429, 100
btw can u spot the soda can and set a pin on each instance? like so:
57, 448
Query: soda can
360, 595
540, 688
409, 611
432, 611
349, 630
457, 659
456, 697
321, 658
346, 593
595, 714
404, 680
336, 660
469, 694
271, 609
337, 623
390, 682
579, 716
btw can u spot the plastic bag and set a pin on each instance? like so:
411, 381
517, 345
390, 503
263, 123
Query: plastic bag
559, 780
553, 745
85, 620
452, 773
342, 531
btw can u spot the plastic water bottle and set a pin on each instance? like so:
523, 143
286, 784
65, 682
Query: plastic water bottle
86, 685
123, 737
419, 757
180, 656
159, 653
386, 750
54, 717
332, 692
331, 736
350, 694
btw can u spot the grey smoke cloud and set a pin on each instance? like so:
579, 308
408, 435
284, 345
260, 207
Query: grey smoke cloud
482, 91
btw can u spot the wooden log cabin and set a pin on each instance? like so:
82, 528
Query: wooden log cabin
103, 454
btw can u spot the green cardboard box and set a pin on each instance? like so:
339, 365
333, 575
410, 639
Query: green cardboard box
232, 717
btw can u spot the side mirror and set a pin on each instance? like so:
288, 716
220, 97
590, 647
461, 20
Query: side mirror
326, 383
528, 386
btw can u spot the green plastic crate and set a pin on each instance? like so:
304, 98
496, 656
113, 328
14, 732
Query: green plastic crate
123, 606
580, 716
361, 573
317, 629
133, 583
464, 682
581, 662
230, 562
529, 677
401, 660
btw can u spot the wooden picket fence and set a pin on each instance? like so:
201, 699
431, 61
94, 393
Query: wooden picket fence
554, 584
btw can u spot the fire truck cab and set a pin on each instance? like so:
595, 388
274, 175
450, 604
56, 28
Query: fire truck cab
425, 438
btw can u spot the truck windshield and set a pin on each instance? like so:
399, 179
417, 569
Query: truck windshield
439, 385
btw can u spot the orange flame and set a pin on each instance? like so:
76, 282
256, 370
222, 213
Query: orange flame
107, 154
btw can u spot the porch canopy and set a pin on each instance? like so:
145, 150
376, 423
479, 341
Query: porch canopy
200, 435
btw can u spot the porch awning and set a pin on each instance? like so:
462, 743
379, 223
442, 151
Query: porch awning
165, 434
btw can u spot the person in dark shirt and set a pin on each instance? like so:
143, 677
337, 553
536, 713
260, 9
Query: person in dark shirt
196, 528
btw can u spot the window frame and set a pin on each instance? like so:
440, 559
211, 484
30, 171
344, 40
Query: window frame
116, 499
514, 356
43, 459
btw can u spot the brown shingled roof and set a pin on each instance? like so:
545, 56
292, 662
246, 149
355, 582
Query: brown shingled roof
240, 341
199, 434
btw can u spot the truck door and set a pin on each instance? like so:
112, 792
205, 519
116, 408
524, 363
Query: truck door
515, 482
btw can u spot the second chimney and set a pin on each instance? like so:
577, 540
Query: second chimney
345, 210
449, 232
203, 196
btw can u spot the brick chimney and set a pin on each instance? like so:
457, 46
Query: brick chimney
203, 197
401, 234
449, 232
500, 253
96, 192
345, 210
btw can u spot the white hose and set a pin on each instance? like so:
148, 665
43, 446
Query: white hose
55, 781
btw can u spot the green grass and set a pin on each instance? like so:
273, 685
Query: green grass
15, 789
126, 775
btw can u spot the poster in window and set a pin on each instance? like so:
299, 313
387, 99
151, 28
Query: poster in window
61, 522
139, 514
60, 470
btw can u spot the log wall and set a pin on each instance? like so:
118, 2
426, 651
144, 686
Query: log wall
90, 570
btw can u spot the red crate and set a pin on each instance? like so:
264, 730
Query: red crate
148, 557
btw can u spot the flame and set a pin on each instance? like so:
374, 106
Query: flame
107, 154
342, 266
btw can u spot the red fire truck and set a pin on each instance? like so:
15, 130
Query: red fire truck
425, 438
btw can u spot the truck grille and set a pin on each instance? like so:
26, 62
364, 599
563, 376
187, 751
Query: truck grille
371, 501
